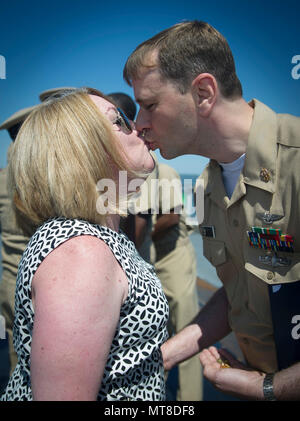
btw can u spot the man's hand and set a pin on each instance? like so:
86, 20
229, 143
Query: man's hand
231, 376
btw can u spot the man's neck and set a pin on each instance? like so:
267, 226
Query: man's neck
231, 123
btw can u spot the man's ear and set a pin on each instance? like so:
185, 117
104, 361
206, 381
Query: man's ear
205, 89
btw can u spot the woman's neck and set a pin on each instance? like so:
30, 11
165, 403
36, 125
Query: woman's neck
113, 222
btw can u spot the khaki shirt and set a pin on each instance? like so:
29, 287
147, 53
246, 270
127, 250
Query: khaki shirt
170, 199
13, 239
161, 192
145, 203
269, 182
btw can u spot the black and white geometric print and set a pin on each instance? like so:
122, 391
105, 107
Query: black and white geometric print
134, 369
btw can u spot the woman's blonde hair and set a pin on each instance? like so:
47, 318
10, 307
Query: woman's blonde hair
63, 149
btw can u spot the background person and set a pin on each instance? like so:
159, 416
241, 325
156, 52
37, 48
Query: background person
13, 238
194, 105
67, 350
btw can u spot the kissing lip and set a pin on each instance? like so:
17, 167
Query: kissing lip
150, 145
153, 146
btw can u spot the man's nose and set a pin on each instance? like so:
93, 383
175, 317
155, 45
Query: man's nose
142, 121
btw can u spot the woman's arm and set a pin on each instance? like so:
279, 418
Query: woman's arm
77, 294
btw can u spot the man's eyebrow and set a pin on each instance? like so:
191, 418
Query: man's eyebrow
141, 101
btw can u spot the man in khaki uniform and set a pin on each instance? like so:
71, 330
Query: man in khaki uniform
266, 195
14, 240
167, 246
194, 105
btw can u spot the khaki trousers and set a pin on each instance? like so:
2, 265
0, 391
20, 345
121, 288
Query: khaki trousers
177, 272
7, 306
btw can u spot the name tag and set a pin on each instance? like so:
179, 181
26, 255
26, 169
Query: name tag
2, 327
208, 231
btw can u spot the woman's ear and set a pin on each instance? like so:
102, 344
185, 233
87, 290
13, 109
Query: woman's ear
205, 89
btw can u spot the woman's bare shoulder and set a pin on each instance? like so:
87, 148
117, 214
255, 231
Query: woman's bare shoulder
78, 262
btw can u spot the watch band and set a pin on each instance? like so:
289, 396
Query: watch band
268, 387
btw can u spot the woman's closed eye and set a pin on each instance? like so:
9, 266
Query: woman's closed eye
122, 121
119, 121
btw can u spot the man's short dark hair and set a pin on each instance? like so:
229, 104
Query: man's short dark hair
184, 51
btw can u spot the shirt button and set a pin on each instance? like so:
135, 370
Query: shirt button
235, 223
270, 276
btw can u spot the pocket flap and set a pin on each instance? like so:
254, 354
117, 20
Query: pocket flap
273, 269
214, 251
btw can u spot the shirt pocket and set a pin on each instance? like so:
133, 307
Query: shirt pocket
214, 251
273, 269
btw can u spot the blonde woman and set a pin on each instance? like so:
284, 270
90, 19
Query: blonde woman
90, 314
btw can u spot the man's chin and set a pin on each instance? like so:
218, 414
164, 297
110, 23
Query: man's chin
168, 154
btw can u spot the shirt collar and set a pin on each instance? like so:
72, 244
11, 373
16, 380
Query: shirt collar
261, 150
261, 154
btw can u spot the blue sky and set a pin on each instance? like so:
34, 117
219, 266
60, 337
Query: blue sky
55, 43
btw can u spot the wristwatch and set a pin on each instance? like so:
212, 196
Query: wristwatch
268, 387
